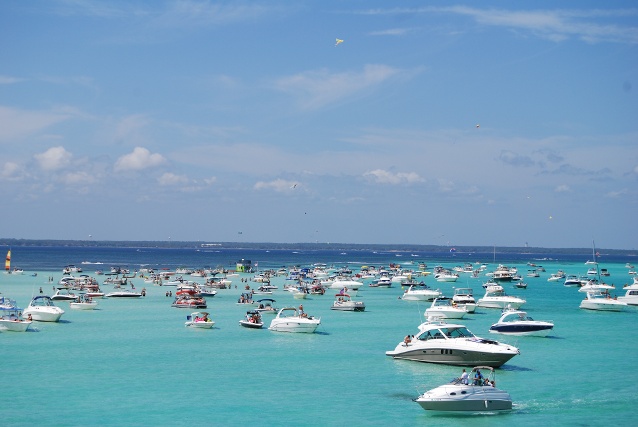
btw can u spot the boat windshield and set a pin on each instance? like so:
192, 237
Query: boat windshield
442, 333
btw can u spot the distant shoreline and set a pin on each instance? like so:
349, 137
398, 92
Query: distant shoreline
9, 242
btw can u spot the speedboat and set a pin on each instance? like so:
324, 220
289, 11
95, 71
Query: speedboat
572, 280
478, 393
252, 320
631, 295
83, 302
63, 294
595, 285
452, 344
445, 276
420, 292
290, 319
445, 307
266, 305
495, 297
517, 322
597, 300
123, 293
555, 277
186, 301
199, 319
343, 302
464, 298
42, 309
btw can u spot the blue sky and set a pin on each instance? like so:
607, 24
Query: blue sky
476, 123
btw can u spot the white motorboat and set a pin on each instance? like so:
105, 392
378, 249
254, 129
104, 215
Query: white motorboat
63, 294
572, 280
290, 319
452, 344
11, 318
495, 297
446, 277
446, 308
42, 309
420, 292
631, 295
83, 302
556, 277
343, 302
478, 393
199, 319
503, 274
517, 322
252, 320
602, 301
464, 298
340, 283
595, 285
123, 293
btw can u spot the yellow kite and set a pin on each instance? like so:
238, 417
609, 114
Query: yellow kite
339, 41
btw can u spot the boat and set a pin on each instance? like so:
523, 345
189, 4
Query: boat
517, 322
445, 276
199, 319
252, 320
464, 298
520, 285
445, 307
83, 302
7, 262
495, 297
502, 274
266, 305
556, 277
187, 301
11, 316
123, 293
452, 344
631, 295
420, 292
42, 309
63, 294
291, 319
475, 392
604, 272
595, 285
602, 301
343, 302
572, 280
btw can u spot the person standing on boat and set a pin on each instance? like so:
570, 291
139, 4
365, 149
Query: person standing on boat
464, 377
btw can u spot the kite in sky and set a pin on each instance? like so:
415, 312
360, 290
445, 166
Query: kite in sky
339, 41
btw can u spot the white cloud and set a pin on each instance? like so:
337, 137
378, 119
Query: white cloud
79, 177
54, 158
279, 185
12, 172
562, 188
140, 158
170, 178
385, 177
314, 89
16, 123
8, 80
616, 194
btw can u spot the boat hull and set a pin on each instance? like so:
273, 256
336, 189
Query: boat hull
457, 357
83, 305
481, 402
43, 316
14, 326
292, 326
199, 325
523, 330
587, 305
251, 325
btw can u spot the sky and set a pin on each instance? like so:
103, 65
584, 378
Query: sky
433, 122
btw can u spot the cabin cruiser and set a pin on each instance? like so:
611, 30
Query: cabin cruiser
446, 276
11, 316
452, 344
631, 295
63, 294
597, 300
290, 319
464, 298
420, 292
475, 392
199, 319
445, 307
252, 320
595, 285
517, 322
343, 302
41, 308
556, 277
572, 280
503, 274
123, 293
495, 297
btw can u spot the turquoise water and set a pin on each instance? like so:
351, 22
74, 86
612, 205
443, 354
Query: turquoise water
132, 362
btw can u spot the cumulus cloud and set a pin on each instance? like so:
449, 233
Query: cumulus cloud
279, 185
170, 178
54, 158
140, 158
78, 178
11, 172
385, 177
562, 188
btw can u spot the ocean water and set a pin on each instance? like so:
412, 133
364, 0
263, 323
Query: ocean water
132, 362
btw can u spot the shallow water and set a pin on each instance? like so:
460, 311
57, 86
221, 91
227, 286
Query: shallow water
132, 362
